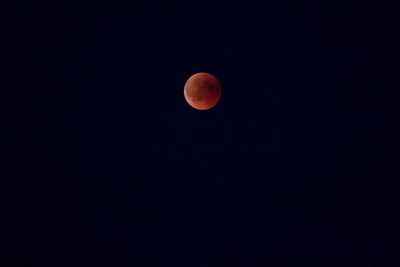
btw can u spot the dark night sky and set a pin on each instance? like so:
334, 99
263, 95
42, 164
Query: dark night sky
106, 164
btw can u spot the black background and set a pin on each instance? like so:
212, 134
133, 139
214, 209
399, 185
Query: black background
106, 164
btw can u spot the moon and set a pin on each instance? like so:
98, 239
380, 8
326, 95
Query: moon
202, 91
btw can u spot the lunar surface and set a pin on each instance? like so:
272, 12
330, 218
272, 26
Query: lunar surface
202, 91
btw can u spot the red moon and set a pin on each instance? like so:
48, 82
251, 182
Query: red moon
202, 91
